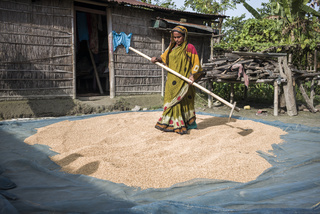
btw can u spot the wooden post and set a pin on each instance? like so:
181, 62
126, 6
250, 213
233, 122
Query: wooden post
211, 47
95, 69
288, 89
312, 92
290, 58
110, 51
209, 97
231, 92
162, 70
275, 98
74, 70
315, 60
202, 51
245, 93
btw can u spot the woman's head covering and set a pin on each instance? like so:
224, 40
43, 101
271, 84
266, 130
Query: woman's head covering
180, 29
183, 31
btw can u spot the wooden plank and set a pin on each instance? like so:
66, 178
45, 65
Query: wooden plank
260, 54
231, 64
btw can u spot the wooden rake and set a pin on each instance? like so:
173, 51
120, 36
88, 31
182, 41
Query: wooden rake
232, 106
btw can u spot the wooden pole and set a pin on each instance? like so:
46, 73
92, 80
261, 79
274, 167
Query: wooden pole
110, 51
162, 70
315, 60
188, 80
74, 70
95, 69
211, 47
231, 92
276, 98
312, 92
209, 97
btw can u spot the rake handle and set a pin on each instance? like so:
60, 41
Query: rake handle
188, 80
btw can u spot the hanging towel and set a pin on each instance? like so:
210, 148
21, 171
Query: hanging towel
82, 25
241, 71
121, 39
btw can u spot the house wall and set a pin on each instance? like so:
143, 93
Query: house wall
35, 49
133, 73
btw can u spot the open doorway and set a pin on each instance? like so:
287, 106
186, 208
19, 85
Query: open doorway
91, 50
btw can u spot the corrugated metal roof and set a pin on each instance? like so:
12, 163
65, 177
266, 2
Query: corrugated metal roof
143, 4
201, 27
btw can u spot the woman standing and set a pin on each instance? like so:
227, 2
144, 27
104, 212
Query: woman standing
178, 112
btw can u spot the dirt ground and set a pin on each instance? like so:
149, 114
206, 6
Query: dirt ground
99, 104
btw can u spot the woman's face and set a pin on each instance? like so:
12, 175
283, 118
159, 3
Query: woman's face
178, 38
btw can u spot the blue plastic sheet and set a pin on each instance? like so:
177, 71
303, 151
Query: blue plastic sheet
291, 185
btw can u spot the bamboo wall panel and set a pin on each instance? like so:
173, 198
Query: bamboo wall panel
35, 49
133, 73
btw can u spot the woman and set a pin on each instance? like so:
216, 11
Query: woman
178, 112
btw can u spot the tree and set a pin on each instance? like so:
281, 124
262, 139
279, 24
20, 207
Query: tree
210, 6
290, 26
232, 27
162, 3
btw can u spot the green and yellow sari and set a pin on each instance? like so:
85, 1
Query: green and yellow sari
178, 111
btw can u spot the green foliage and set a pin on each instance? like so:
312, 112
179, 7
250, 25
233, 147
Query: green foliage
210, 6
232, 27
281, 26
255, 35
252, 10
164, 3
262, 93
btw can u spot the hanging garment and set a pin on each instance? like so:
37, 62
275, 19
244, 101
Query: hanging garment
121, 39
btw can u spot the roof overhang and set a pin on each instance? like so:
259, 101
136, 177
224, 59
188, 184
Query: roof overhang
158, 8
196, 26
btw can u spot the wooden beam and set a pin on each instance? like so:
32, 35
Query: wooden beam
89, 10
92, 2
110, 55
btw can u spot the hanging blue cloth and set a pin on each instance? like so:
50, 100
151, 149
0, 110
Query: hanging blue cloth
121, 39
82, 25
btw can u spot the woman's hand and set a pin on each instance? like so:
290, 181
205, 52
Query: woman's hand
192, 79
155, 59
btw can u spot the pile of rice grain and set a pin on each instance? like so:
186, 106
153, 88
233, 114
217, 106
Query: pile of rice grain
126, 148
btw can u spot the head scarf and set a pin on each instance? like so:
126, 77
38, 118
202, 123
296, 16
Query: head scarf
184, 32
